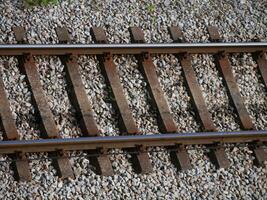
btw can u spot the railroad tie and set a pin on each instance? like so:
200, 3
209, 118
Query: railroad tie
180, 157
259, 153
178, 153
261, 60
145, 62
47, 124
217, 154
192, 84
139, 156
20, 164
224, 66
82, 105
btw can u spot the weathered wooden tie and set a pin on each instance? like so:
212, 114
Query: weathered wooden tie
217, 154
79, 99
47, 124
140, 160
147, 67
224, 66
20, 163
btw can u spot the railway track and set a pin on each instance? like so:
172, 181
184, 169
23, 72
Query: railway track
130, 140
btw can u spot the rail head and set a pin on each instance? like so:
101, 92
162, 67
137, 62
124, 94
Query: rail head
121, 142
96, 49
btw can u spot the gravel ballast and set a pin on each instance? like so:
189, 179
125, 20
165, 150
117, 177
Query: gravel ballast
242, 20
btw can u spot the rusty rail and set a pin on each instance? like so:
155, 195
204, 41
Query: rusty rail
130, 139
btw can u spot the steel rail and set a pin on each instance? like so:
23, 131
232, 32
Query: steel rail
96, 49
109, 142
